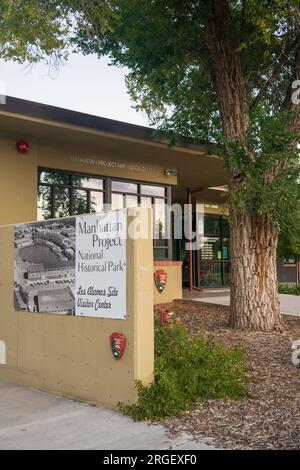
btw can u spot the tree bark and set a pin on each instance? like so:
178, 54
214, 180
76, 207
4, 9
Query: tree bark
227, 73
254, 302
254, 290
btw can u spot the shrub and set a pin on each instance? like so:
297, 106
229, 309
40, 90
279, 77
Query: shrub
292, 290
188, 370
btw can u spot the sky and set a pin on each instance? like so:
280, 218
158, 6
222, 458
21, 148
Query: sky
84, 83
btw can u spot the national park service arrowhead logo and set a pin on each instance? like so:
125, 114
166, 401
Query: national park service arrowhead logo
117, 343
160, 279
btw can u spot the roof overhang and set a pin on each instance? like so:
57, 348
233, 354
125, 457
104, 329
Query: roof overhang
194, 164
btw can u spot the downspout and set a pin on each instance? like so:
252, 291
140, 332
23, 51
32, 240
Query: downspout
191, 274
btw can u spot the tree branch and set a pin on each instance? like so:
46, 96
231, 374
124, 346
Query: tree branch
288, 102
274, 73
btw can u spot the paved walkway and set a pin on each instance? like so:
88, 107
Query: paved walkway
290, 304
31, 419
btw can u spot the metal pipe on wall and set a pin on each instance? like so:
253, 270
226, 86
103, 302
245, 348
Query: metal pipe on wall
191, 273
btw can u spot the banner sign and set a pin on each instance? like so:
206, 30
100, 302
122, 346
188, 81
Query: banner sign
73, 266
101, 265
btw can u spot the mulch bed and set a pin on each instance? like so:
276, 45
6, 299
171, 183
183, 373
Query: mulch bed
270, 419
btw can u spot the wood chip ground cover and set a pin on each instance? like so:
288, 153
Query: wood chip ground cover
270, 419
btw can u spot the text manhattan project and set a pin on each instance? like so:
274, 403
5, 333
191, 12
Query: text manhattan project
106, 227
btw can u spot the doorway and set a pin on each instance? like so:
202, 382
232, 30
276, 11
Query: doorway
211, 262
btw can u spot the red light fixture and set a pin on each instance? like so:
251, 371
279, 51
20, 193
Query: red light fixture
23, 146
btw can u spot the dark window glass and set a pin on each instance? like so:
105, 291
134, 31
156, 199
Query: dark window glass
160, 253
210, 274
79, 202
225, 226
212, 225
61, 202
62, 194
57, 178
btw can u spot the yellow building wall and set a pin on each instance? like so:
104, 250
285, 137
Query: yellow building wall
18, 183
19, 172
71, 355
116, 162
173, 289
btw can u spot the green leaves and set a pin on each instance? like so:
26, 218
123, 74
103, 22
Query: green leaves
271, 184
33, 30
165, 46
284, 289
188, 370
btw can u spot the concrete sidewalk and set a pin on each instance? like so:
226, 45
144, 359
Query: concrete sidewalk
31, 419
289, 304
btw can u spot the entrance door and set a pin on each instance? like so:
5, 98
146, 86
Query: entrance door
211, 262
213, 258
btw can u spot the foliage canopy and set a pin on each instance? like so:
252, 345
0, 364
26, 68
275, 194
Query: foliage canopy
165, 44
167, 48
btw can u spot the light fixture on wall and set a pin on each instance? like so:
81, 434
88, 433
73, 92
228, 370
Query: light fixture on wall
170, 172
22, 146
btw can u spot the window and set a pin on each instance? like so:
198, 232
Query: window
61, 194
128, 194
124, 187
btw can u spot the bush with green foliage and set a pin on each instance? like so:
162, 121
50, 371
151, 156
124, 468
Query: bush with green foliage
292, 290
188, 370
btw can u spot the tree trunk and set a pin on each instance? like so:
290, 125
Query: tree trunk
254, 296
254, 302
